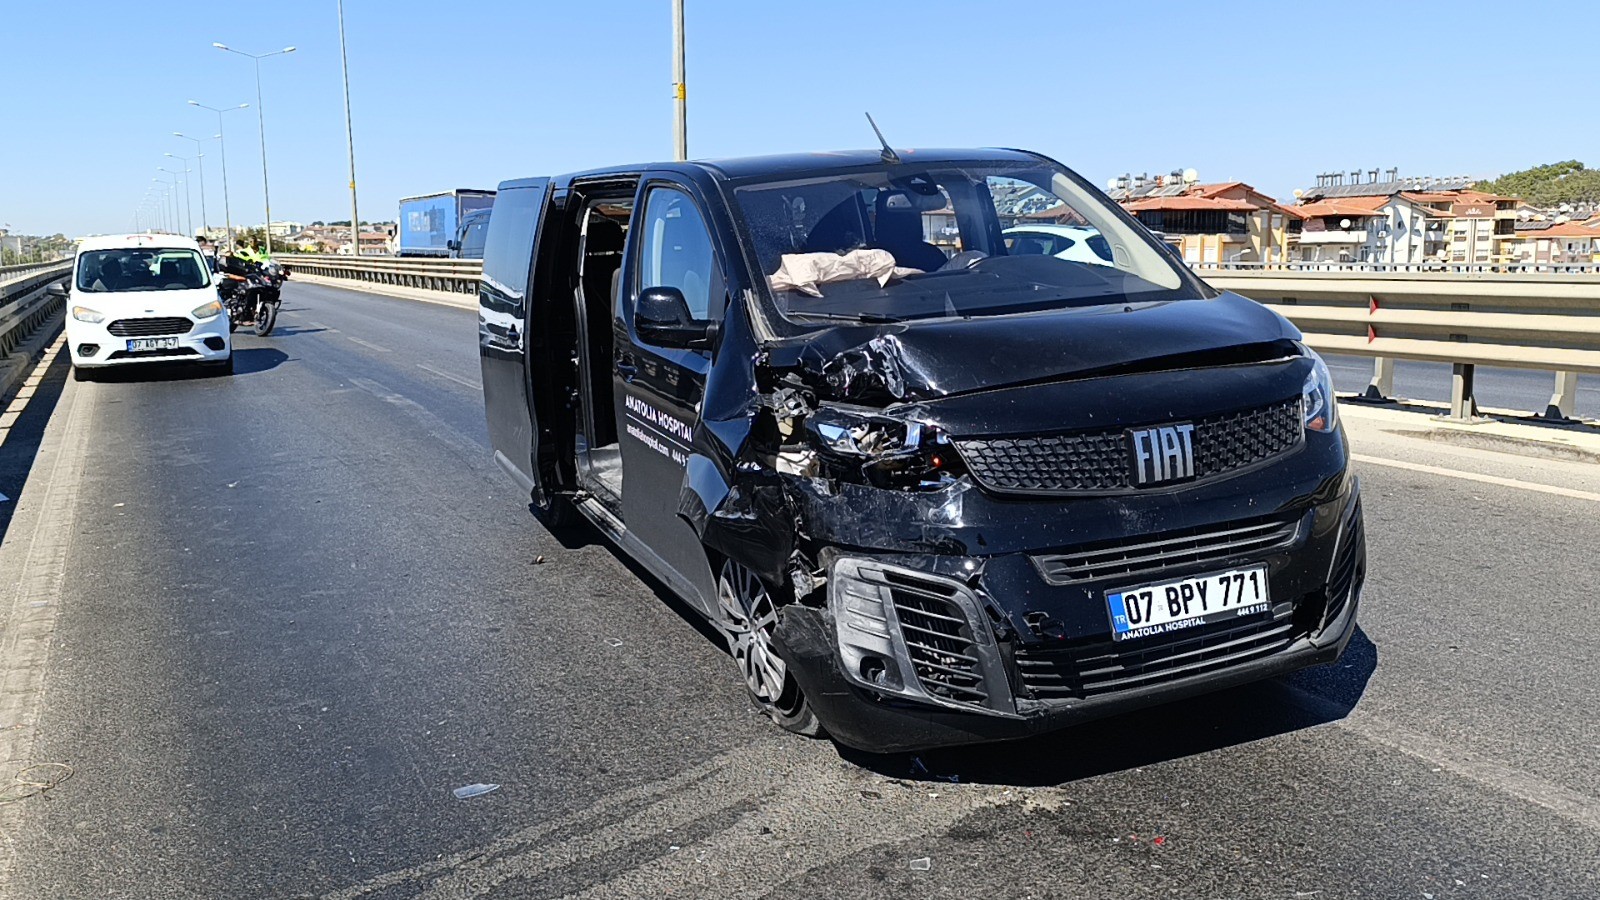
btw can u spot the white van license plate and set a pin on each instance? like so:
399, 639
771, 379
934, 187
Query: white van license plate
1170, 606
166, 343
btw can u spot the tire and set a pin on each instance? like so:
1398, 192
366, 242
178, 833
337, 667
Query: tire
225, 368
560, 516
233, 324
266, 317
81, 374
747, 616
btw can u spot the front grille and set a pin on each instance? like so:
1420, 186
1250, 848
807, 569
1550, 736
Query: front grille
1347, 566
937, 637
153, 354
1128, 558
1101, 668
153, 327
1101, 462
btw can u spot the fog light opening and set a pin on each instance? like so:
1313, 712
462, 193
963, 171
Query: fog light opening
88, 349
214, 343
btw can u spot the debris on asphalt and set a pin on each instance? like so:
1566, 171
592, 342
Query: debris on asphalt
921, 864
871, 795
917, 768
467, 792
35, 779
614, 642
1159, 841
4, 498
538, 560
765, 830
233, 484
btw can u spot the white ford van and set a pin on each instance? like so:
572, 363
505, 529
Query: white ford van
143, 298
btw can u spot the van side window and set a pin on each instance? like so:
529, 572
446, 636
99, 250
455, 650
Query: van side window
508, 251
675, 251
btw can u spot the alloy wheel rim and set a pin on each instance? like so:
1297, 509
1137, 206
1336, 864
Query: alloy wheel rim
748, 620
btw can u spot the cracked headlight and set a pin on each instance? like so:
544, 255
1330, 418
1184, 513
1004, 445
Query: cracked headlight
1321, 408
884, 451
85, 314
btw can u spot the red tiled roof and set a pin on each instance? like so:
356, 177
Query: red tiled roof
1565, 229
1190, 202
1343, 206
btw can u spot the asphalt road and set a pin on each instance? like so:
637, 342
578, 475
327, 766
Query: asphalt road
285, 614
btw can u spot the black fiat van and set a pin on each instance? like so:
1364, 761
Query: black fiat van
933, 485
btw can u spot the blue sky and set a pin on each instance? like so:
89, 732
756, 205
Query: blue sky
467, 93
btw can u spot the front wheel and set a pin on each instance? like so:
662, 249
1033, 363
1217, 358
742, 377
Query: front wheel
747, 617
266, 317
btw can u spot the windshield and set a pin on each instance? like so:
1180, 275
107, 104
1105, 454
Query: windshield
901, 242
104, 271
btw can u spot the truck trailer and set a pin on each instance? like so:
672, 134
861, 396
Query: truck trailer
428, 223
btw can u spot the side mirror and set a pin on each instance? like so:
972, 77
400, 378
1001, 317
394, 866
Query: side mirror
57, 289
662, 317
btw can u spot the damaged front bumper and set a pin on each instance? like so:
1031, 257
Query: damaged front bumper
934, 644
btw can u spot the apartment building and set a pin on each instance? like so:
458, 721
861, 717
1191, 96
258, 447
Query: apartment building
1409, 221
1223, 222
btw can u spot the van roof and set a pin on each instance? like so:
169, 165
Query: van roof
147, 241
783, 165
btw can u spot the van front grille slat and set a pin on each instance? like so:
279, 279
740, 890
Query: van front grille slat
1186, 547
1100, 461
151, 327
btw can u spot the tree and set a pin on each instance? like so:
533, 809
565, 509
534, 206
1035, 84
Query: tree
1550, 184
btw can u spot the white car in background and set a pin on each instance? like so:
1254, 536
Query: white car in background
143, 298
1077, 243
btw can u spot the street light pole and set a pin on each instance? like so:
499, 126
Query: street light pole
680, 113
222, 146
169, 200
200, 161
261, 124
350, 141
188, 203
175, 178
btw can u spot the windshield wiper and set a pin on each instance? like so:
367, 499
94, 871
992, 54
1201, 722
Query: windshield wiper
867, 317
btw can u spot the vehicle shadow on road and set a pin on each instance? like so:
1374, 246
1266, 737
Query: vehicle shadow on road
246, 361
23, 437
1146, 737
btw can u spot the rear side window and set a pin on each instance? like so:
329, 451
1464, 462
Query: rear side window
508, 251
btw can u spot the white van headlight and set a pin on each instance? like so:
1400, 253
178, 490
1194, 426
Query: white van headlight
208, 310
1322, 409
85, 314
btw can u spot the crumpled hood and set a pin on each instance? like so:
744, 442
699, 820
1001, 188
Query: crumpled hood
925, 360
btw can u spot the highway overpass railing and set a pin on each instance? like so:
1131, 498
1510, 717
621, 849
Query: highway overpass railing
23, 300
425, 273
1480, 315
1542, 321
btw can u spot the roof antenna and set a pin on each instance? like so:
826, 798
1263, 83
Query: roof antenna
888, 155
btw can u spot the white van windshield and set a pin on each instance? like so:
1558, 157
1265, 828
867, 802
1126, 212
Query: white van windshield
105, 271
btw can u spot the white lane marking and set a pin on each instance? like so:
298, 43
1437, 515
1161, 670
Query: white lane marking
367, 344
456, 378
328, 328
1474, 476
1452, 757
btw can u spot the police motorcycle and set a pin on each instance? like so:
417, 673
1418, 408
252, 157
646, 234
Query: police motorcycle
250, 293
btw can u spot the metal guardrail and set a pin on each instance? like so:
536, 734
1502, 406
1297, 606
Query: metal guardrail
1523, 320
457, 276
12, 273
1438, 268
24, 302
